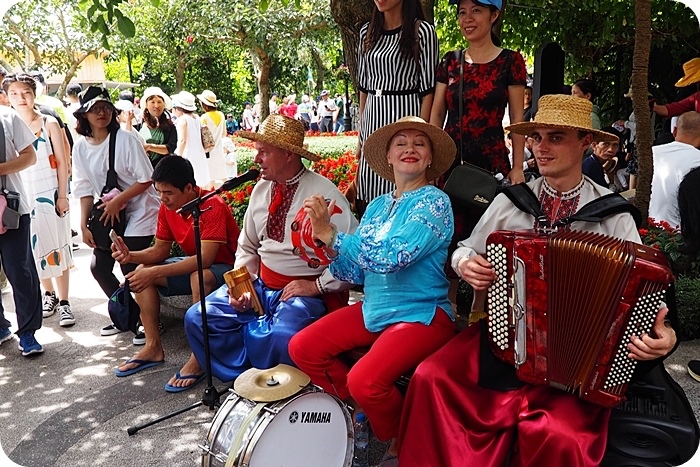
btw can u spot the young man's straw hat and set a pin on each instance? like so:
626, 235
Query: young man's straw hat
282, 132
691, 73
563, 112
377, 145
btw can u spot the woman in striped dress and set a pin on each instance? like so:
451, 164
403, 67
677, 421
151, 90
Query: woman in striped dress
397, 58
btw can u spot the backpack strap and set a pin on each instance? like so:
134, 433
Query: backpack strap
111, 173
603, 207
522, 196
3, 154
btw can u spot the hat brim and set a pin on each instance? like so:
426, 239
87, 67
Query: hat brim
376, 146
306, 154
88, 105
207, 101
180, 105
688, 80
527, 128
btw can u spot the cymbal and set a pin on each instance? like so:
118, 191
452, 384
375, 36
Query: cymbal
270, 385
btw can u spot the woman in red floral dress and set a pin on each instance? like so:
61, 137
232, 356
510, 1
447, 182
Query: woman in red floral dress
492, 78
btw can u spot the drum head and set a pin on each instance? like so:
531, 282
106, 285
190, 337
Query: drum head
312, 429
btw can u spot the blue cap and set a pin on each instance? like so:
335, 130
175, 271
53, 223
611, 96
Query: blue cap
123, 309
497, 3
360, 417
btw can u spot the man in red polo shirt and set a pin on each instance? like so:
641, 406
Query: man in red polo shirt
157, 274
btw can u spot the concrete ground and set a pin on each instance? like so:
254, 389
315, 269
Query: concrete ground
67, 408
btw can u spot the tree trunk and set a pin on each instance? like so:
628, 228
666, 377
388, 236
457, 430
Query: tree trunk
350, 16
71, 73
640, 70
320, 69
262, 66
180, 72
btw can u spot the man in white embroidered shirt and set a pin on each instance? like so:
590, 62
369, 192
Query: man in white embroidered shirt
293, 288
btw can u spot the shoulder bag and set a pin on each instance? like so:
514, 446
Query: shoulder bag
207, 137
100, 231
469, 185
9, 202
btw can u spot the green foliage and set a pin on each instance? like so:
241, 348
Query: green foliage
669, 241
688, 301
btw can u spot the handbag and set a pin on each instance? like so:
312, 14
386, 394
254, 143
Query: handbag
469, 185
100, 231
207, 138
10, 199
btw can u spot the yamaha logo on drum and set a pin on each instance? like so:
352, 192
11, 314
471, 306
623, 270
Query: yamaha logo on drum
310, 417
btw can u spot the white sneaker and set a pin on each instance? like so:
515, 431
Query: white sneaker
66, 316
49, 304
140, 337
109, 330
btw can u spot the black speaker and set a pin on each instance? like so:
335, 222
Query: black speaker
654, 427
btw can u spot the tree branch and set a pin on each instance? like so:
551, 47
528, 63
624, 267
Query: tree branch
14, 28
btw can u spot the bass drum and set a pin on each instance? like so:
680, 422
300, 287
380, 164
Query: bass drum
311, 428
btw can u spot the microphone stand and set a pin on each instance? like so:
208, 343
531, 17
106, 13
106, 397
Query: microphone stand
210, 398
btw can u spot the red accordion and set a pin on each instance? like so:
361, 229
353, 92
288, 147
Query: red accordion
565, 305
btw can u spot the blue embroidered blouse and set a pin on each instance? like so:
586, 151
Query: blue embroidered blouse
399, 253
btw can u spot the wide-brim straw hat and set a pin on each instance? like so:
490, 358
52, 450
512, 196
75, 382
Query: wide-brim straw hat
184, 100
284, 133
155, 91
691, 73
376, 147
563, 112
208, 97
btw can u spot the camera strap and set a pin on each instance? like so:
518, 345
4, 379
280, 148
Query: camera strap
3, 154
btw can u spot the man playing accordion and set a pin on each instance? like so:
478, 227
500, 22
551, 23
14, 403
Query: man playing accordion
466, 407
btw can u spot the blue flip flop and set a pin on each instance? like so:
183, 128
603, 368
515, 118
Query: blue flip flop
197, 378
143, 365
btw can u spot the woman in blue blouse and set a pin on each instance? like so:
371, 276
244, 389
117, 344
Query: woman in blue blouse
398, 253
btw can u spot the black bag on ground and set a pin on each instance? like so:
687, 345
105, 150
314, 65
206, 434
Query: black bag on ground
100, 231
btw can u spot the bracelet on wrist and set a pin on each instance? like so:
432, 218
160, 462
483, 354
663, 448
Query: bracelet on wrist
334, 236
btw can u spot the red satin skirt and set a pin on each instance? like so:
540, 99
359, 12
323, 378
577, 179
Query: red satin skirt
448, 420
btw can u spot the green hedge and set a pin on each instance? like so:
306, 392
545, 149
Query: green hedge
688, 299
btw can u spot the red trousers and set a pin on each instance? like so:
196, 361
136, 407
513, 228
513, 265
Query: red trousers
395, 351
449, 421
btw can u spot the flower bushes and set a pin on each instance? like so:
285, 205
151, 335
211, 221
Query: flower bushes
338, 164
686, 267
669, 241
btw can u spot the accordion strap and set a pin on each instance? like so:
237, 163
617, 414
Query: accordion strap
522, 196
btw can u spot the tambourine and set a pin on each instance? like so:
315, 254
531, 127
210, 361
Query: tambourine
302, 237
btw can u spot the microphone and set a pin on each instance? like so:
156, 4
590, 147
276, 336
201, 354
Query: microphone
232, 183
229, 184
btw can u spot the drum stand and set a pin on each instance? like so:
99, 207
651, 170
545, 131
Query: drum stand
210, 398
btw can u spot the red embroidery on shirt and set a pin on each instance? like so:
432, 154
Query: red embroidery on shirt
278, 215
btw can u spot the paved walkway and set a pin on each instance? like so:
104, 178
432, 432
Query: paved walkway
67, 408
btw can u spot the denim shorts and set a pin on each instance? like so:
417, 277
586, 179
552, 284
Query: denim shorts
180, 285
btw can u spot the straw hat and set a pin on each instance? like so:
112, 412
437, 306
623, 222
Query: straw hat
155, 91
691, 73
208, 97
185, 101
376, 146
282, 132
565, 112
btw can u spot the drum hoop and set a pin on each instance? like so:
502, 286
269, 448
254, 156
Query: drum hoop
244, 435
216, 424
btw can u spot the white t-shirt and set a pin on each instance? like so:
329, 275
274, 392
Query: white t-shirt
672, 162
17, 137
90, 166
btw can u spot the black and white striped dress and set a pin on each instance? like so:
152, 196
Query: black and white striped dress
384, 69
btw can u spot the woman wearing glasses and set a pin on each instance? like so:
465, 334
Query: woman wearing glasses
97, 122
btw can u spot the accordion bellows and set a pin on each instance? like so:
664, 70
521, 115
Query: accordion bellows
565, 305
